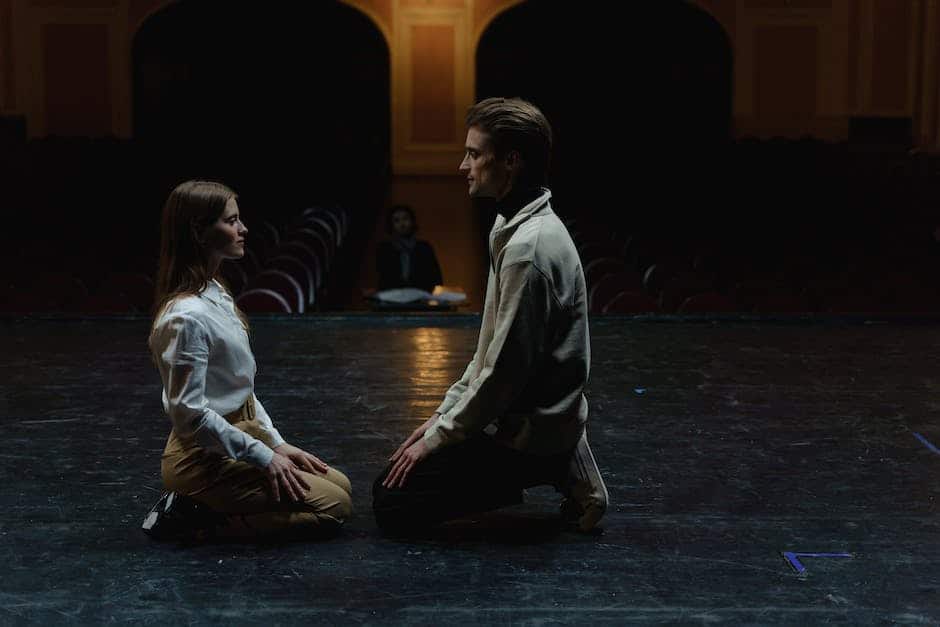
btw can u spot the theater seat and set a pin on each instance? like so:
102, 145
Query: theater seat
284, 284
709, 302
610, 285
136, 288
301, 273
313, 257
262, 300
47, 292
630, 303
107, 303
597, 268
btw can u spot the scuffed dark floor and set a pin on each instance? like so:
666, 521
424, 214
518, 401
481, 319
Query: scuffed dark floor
724, 444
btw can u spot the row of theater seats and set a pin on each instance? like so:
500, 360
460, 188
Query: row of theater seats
94, 293
284, 271
626, 275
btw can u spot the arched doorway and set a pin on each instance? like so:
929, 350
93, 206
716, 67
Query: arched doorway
287, 101
637, 97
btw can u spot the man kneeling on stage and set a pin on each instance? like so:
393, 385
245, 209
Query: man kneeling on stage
516, 418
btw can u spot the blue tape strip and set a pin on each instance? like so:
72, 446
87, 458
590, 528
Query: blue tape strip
794, 562
794, 559
926, 442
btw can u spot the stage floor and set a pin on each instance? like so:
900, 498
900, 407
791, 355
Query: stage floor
724, 446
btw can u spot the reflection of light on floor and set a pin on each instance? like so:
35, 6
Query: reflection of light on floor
430, 356
433, 369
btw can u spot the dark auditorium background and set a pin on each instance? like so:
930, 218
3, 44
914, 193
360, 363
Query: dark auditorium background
712, 156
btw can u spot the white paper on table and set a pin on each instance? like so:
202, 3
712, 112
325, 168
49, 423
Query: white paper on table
449, 297
402, 295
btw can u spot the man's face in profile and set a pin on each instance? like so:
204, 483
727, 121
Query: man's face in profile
487, 175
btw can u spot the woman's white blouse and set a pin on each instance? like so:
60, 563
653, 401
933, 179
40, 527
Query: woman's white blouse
208, 370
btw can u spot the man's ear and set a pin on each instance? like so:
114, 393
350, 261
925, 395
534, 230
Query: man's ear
513, 160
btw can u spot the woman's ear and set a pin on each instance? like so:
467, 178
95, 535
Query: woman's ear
196, 232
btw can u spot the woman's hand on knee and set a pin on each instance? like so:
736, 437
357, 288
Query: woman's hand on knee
284, 476
302, 459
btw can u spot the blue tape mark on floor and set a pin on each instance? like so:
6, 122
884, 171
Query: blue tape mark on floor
926, 442
794, 559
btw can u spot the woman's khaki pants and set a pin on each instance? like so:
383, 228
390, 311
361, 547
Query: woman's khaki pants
243, 491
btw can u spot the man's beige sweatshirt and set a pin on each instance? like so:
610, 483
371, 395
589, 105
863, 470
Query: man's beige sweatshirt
533, 355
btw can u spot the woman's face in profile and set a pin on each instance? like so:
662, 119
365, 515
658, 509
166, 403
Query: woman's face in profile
402, 225
226, 236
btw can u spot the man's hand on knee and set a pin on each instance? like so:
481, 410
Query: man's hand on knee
416, 435
406, 462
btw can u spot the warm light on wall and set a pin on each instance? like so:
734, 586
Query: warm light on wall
871, 58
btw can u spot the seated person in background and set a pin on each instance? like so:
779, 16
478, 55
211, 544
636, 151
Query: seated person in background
405, 261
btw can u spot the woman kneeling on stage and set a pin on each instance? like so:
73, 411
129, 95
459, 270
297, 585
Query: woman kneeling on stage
228, 472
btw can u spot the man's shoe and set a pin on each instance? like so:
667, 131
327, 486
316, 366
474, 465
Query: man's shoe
585, 493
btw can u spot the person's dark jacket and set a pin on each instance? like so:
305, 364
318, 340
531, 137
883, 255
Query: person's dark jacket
424, 273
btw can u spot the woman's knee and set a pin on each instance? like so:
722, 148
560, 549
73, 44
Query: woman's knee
344, 506
337, 508
328, 498
337, 478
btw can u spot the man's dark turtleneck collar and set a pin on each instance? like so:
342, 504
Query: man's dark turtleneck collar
516, 199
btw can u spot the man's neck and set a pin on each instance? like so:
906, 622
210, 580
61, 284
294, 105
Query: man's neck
517, 198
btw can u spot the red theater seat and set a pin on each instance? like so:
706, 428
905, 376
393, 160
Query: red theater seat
301, 273
709, 302
597, 268
630, 303
263, 301
610, 285
283, 284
